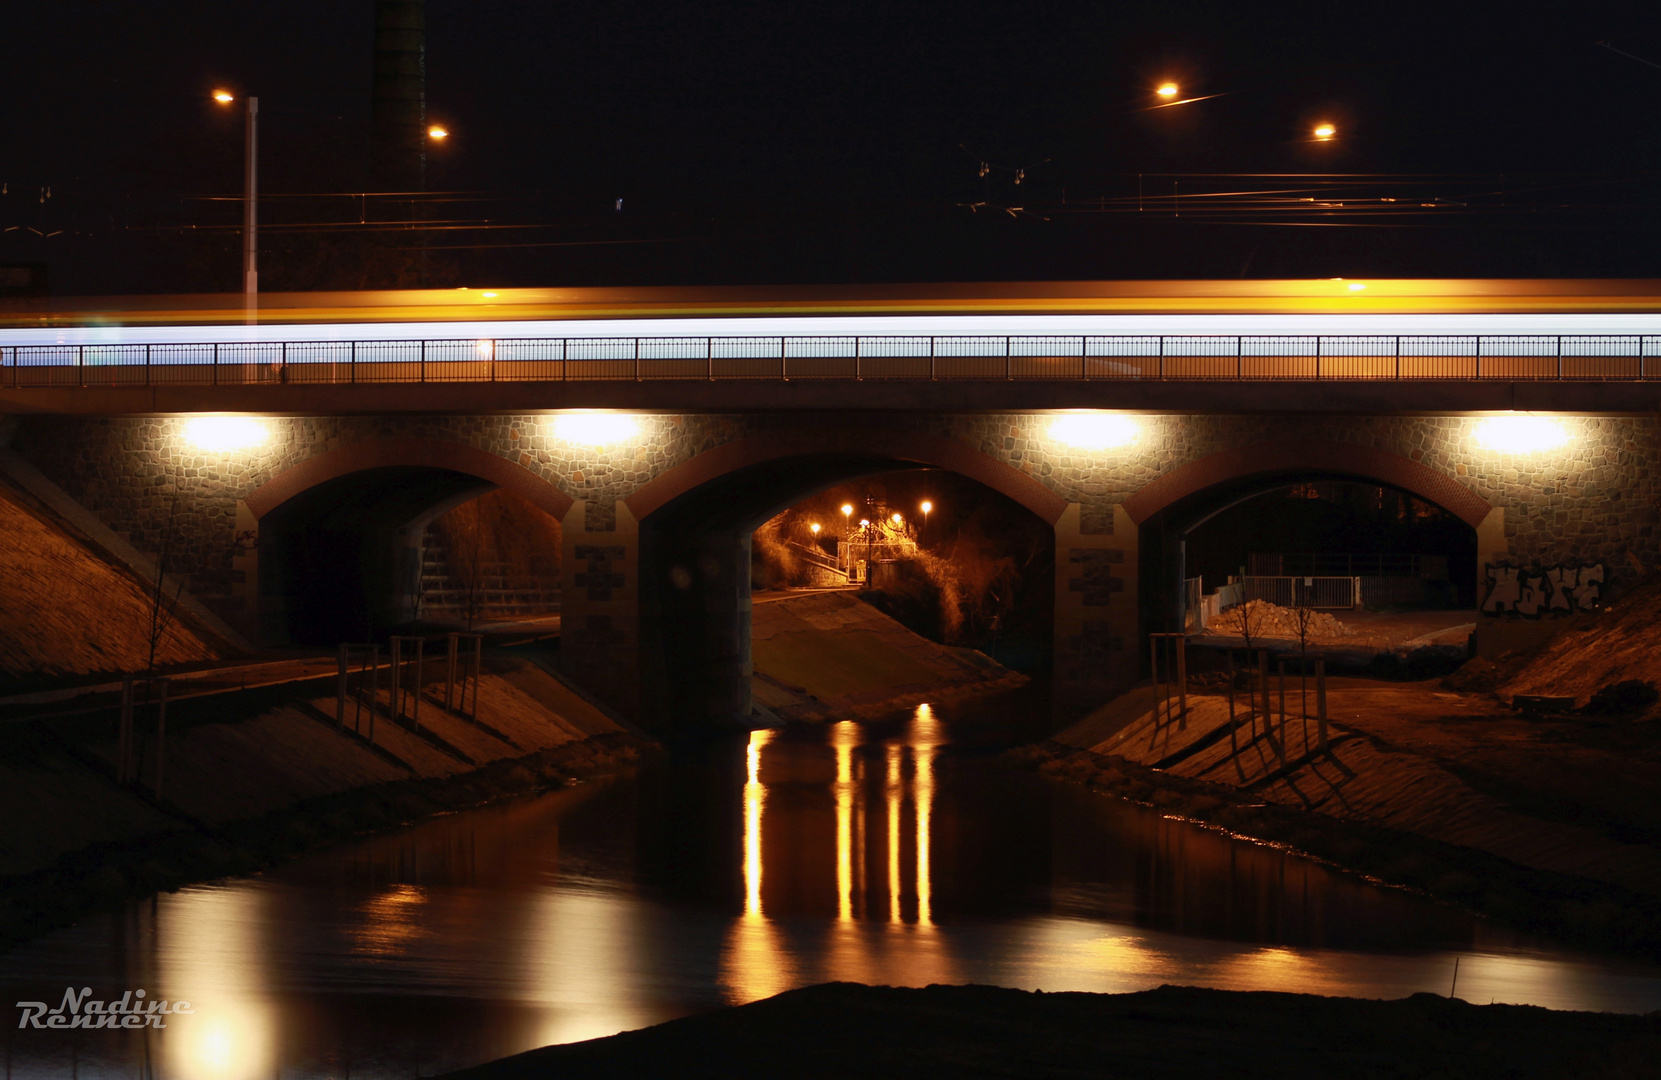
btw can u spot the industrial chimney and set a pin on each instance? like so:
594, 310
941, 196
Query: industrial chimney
397, 156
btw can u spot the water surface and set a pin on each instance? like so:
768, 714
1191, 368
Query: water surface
899, 852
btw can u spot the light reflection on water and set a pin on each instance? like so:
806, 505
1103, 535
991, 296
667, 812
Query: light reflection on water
885, 853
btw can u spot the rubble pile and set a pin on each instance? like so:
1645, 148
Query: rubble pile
1268, 620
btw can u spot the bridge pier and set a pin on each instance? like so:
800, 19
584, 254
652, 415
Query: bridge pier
600, 601
1096, 610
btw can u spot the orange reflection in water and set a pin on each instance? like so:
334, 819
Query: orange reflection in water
896, 795
924, 735
844, 737
213, 955
754, 960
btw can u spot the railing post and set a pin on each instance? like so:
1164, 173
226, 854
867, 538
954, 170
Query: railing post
858, 372
146, 365
1239, 356
216, 363
284, 361
423, 360
81, 365
352, 364
1009, 363
340, 688
709, 357
1560, 358
1162, 356
1317, 356
1479, 356
1398, 357
636, 359
784, 362
492, 359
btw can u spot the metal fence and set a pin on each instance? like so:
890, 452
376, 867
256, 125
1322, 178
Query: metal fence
1340, 564
1071, 358
1313, 592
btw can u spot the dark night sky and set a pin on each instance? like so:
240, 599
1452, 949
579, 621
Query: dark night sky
772, 141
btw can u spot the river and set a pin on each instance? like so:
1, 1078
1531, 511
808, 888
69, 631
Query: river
901, 852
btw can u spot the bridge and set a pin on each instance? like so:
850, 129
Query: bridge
661, 426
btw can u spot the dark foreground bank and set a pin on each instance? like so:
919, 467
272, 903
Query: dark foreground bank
846, 1029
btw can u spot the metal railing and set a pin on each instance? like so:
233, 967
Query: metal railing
1072, 358
1313, 592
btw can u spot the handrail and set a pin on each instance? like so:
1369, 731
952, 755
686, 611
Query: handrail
940, 358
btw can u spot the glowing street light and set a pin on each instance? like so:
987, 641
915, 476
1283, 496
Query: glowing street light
926, 507
437, 132
1167, 90
814, 528
224, 97
1325, 132
896, 519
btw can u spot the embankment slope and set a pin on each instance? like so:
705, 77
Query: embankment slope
845, 1029
820, 655
251, 777
66, 609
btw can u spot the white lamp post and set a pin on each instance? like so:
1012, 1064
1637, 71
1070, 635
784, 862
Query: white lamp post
250, 192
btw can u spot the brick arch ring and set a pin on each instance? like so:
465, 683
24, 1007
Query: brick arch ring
903, 446
1314, 456
384, 453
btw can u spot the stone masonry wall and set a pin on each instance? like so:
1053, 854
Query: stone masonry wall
1598, 498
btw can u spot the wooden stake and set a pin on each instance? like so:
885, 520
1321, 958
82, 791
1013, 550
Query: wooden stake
1181, 643
340, 689
124, 734
161, 735
1320, 699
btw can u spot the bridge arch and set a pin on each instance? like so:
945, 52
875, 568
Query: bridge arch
695, 523
407, 451
1170, 507
339, 534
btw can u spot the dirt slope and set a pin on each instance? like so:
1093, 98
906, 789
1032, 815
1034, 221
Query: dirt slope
830, 653
64, 610
1619, 644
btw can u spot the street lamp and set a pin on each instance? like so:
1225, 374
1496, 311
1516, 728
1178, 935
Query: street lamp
1167, 90
926, 507
1324, 132
250, 221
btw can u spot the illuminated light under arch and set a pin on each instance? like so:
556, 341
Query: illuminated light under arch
1093, 431
222, 434
1521, 434
596, 428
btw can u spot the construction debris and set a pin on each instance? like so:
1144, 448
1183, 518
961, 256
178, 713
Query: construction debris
1266, 620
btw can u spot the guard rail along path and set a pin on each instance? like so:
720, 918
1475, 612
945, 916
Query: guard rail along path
1078, 358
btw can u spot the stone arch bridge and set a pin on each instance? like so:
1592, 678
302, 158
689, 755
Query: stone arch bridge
657, 510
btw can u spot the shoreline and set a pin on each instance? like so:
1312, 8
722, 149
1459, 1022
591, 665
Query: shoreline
1579, 912
835, 1030
102, 877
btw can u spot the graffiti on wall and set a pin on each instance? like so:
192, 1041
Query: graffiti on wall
1532, 592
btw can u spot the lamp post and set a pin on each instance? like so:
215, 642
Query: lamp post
250, 191
842, 548
926, 508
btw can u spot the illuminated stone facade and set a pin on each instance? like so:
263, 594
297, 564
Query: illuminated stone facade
1598, 498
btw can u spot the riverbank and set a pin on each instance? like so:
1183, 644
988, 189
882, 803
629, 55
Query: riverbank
828, 655
1547, 825
252, 778
846, 1029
